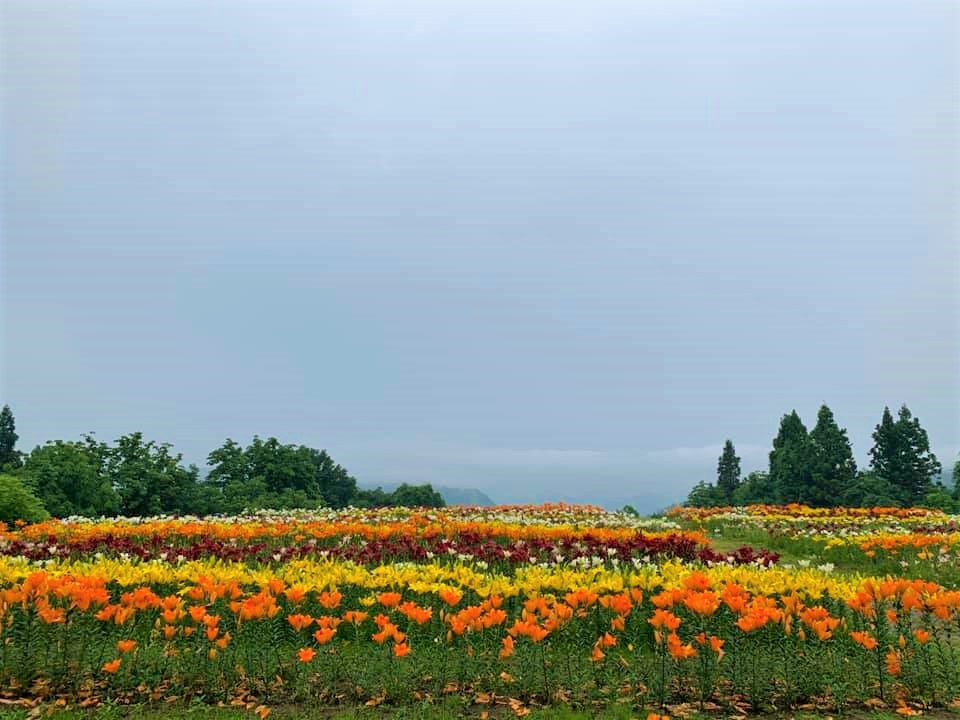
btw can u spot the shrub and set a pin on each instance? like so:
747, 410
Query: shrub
705, 495
18, 503
939, 498
871, 490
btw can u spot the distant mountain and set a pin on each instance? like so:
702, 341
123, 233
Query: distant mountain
464, 496
451, 495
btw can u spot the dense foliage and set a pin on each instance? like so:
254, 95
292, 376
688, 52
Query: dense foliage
817, 468
17, 503
138, 477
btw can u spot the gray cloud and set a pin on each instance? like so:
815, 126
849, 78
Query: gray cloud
523, 247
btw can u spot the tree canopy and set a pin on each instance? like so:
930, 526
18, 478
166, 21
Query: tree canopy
818, 468
71, 478
833, 468
275, 475
901, 453
135, 476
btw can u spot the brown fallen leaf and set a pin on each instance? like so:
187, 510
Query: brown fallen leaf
518, 709
374, 702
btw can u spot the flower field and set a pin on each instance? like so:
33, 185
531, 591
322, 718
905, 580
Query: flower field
905, 542
511, 607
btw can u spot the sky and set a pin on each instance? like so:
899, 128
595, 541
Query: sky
552, 250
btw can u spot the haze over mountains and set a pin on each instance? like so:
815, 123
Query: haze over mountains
647, 480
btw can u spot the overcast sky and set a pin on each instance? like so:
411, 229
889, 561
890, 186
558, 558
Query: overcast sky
546, 249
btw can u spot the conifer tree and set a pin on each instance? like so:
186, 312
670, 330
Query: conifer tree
728, 472
790, 460
833, 467
9, 457
956, 480
901, 454
884, 455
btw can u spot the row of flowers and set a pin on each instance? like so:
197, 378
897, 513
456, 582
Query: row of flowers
687, 634
803, 513
425, 526
914, 541
265, 522
580, 548
431, 577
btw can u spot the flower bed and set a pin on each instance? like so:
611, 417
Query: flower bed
103, 622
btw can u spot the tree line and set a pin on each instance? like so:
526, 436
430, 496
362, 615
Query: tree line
134, 476
817, 468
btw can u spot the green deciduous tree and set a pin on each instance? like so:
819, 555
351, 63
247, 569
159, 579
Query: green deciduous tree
17, 502
283, 468
901, 454
705, 494
833, 468
228, 464
757, 487
377, 497
417, 496
270, 474
9, 457
728, 472
940, 498
870, 490
403, 496
70, 478
149, 478
337, 486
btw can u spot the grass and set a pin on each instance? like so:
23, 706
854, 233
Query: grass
434, 712
448, 711
845, 561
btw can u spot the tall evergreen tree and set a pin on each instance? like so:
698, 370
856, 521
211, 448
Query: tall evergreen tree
901, 454
833, 467
885, 454
9, 457
956, 480
922, 466
728, 472
790, 460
